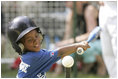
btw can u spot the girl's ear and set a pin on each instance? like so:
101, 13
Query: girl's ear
21, 46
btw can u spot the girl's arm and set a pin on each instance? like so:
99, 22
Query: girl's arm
69, 49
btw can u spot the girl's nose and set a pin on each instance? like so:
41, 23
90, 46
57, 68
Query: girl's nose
36, 41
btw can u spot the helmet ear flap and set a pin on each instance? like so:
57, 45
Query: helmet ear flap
17, 48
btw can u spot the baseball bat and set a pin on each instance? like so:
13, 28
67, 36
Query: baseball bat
93, 35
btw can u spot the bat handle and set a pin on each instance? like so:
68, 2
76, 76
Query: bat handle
80, 51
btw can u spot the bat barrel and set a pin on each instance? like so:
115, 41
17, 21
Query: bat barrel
94, 34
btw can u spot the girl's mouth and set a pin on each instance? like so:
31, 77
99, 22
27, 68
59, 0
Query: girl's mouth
37, 46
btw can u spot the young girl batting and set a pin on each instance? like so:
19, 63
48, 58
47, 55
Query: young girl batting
26, 39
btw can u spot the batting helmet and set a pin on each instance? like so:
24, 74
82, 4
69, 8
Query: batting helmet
18, 28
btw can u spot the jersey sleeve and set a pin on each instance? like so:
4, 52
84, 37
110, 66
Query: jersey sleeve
47, 59
50, 55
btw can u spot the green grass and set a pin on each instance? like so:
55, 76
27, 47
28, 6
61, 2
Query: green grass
6, 72
80, 75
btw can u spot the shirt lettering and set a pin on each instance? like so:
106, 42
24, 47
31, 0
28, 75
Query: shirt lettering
40, 75
24, 66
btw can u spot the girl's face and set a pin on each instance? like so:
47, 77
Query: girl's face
32, 41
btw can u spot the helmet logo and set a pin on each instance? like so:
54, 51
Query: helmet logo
17, 32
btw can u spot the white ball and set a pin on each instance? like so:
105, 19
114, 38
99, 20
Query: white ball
80, 51
67, 61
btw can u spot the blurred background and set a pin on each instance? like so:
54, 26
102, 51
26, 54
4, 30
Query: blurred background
51, 17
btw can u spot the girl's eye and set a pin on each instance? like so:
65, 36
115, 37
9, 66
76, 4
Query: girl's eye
37, 35
29, 41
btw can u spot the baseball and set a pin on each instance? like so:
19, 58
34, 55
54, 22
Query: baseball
67, 61
80, 51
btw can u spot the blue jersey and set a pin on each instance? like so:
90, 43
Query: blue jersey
36, 64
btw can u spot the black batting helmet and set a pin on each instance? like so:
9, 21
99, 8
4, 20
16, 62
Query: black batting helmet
20, 26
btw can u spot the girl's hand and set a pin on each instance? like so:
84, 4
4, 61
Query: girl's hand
84, 45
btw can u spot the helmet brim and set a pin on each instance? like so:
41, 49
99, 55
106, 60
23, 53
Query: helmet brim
25, 32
